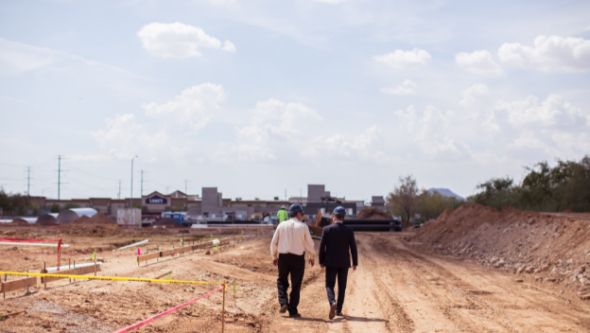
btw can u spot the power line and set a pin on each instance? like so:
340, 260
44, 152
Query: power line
83, 183
93, 175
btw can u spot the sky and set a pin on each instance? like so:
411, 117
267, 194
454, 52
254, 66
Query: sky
260, 98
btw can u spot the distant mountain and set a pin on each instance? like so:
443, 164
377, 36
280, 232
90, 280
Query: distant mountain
446, 193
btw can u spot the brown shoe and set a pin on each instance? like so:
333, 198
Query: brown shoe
340, 314
332, 311
283, 309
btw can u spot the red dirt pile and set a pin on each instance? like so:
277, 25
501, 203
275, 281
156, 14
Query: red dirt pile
97, 219
373, 213
554, 248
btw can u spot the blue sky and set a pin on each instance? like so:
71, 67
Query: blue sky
259, 97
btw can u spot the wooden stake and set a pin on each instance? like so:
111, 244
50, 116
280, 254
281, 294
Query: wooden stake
94, 265
58, 254
45, 271
223, 310
70, 266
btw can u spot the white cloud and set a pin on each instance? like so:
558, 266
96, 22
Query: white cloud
187, 112
276, 121
195, 106
367, 145
553, 113
473, 94
407, 88
17, 58
400, 59
434, 133
274, 126
125, 138
549, 54
229, 46
177, 40
479, 62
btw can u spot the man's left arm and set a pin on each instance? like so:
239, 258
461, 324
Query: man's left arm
309, 245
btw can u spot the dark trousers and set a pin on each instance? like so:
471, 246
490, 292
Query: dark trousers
331, 273
294, 265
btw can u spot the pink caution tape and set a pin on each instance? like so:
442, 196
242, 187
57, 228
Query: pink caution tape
59, 241
167, 312
29, 240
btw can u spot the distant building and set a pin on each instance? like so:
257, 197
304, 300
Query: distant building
210, 204
379, 203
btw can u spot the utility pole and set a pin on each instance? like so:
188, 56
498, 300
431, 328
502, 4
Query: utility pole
58, 176
29, 181
119, 189
131, 204
141, 184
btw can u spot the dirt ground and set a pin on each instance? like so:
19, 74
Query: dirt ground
401, 286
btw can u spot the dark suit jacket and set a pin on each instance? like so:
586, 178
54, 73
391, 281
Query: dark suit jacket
337, 240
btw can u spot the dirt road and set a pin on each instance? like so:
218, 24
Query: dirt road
397, 288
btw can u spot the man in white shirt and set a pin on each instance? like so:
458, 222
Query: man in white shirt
289, 245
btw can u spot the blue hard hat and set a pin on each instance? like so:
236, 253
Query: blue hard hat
339, 210
295, 208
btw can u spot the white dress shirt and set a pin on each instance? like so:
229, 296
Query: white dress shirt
293, 237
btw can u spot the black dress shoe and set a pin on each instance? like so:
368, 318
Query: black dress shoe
332, 311
297, 315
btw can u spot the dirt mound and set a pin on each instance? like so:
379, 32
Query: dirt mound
97, 219
552, 247
100, 218
46, 219
19, 222
168, 223
81, 220
372, 213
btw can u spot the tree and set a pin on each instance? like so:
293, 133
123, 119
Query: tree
14, 204
565, 186
496, 192
55, 208
432, 204
404, 197
71, 205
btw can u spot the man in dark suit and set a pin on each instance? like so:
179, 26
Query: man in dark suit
337, 241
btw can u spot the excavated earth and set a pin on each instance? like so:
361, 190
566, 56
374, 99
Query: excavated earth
405, 283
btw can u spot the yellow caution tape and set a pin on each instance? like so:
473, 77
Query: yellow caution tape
110, 278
